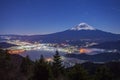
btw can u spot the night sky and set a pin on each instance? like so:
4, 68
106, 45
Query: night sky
30, 17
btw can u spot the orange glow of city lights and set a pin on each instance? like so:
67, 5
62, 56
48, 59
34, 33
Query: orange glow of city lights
83, 50
15, 51
49, 59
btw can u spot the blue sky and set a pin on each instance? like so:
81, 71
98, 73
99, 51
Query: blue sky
49, 16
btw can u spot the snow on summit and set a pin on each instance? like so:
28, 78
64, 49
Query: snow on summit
83, 26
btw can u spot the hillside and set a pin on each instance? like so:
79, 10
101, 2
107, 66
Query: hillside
101, 57
108, 45
6, 45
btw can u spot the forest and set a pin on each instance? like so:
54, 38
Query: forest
16, 67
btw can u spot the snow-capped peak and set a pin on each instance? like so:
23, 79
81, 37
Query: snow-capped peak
83, 26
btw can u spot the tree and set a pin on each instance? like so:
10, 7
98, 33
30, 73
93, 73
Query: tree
41, 70
57, 67
103, 73
114, 69
42, 60
26, 67
77, 73
6, 66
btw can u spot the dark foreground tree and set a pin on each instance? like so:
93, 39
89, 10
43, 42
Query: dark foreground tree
114, 69
26, 67
103, 73
57, 67
77, 73
41, 70
7, 69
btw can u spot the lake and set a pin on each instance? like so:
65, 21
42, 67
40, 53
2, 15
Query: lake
35, 54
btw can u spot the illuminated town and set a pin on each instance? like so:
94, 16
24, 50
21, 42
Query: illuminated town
66, 48
22, 47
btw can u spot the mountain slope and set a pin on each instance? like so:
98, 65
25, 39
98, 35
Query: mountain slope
108, 45
102, 57
6, 45
81, 31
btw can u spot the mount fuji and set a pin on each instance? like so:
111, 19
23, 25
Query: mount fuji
83, 26
80, 32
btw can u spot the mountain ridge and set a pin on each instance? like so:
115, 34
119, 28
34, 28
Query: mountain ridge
101, 57
83, 26
81, 31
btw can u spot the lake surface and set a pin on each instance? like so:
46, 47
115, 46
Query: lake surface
67, 62
35, 54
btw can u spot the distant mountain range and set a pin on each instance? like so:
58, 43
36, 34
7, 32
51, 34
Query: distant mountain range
81, 32
6, 45
108, 45
102, 57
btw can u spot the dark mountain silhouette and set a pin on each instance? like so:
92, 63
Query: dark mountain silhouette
81, 31
6, 45
108, 45
102, 57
